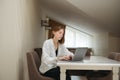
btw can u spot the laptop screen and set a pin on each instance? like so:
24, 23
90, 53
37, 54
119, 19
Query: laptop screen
79, 54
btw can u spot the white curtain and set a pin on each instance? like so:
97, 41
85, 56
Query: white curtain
76, 38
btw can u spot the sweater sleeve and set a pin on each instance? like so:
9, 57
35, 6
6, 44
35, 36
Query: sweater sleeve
67, 51
46, 58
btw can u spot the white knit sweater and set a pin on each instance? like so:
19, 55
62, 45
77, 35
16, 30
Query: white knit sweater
49, 59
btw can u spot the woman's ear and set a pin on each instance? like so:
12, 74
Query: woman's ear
53, 32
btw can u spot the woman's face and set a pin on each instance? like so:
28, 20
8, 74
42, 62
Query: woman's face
58, 34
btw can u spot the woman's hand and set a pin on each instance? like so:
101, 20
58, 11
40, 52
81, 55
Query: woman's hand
67, 57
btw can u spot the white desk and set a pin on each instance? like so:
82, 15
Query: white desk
93, 63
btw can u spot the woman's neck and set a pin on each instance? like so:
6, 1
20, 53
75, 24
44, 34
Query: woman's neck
55, 41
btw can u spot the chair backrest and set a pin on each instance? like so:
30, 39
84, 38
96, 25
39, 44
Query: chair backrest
33, 61
39, 52
33, 65
114, 56
118, 57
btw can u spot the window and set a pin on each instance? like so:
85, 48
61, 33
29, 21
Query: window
77, 38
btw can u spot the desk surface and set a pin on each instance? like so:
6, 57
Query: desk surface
93, 60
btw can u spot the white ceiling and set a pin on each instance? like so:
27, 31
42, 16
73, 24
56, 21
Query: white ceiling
106, 13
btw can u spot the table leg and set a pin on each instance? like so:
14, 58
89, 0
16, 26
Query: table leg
115, 73
62, 74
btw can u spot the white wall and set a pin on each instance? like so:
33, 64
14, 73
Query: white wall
9, 40
100, 43
20, 32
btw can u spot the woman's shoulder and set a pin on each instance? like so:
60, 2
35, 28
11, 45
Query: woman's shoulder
48, 41
62, 45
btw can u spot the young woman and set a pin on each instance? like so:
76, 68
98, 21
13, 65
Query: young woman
53, 51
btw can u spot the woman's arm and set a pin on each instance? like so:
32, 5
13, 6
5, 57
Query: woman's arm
68, 54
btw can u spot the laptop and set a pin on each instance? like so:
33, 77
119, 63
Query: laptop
79, 54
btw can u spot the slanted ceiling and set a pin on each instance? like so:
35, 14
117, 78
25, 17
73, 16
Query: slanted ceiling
103, 13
